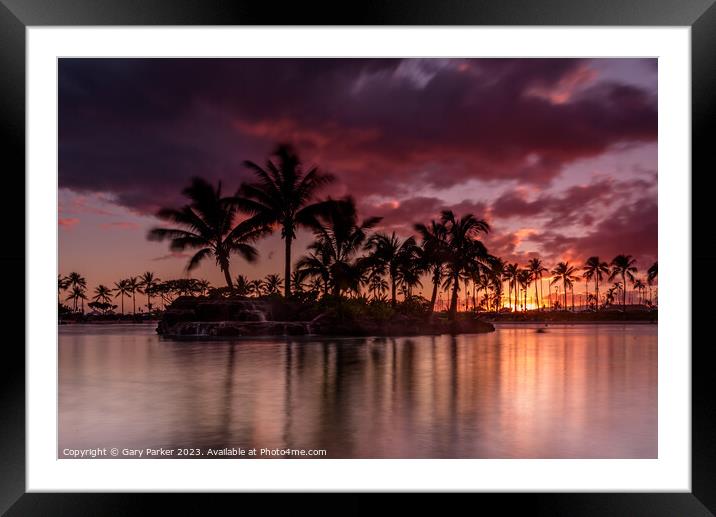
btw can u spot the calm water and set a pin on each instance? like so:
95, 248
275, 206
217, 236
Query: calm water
582, 391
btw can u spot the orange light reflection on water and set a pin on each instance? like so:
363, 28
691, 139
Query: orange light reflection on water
584, 391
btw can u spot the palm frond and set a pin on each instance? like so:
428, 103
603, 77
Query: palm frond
197, 258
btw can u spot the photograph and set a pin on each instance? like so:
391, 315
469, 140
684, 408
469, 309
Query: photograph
357, 258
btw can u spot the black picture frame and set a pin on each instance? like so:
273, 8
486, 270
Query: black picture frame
16, 15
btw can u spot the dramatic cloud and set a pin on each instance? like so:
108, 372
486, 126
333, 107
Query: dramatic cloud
572, 205
400, 216
139, 128
630, 229
558, 155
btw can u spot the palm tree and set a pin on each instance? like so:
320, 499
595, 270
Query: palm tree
537, 269
377, 285
77, 293
242, 285
315, 286
410, 275
564, 272
204, 286
297, 285
463, 249
133, 286
122, 289
596, 269
610, 294
586, 292
77, 282
339, 236
147, 284
433, 253
475, 276
388, 254
624, 266
510, 274
316, 265
484, 283
102, 294
170, 289
207, 225
651, 275
495, 274
639, 287
591, 299
255, 287
524, 278
272, 284
282, 195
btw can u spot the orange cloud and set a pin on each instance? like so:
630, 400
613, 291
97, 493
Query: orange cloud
67, 222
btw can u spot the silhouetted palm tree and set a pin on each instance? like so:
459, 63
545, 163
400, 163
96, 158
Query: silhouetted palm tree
77, 283
639, 287
168, 290
377, 286
510, 274
464, 249
133, 286
433, 254
204, 286
316, 265
410, 274
207, 225
272, 284
282, 195
610, 294
339, 236
537, 269
122, 289
524, 278
388, 254
102, 294
495, 274
315, 286
147, 284
297, 285
484, 283
651, 275
255, 287
591, 299
242, 285
77, 292
476, 275
624, 266
564, 272
596, 269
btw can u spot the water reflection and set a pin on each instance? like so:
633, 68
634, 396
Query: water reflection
572, 392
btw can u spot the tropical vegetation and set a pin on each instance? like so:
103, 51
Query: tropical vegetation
347, 258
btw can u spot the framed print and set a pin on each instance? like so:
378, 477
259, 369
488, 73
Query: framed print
412, 251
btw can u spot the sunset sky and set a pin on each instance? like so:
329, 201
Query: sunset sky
559, 155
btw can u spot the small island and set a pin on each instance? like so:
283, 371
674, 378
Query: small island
191, 316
